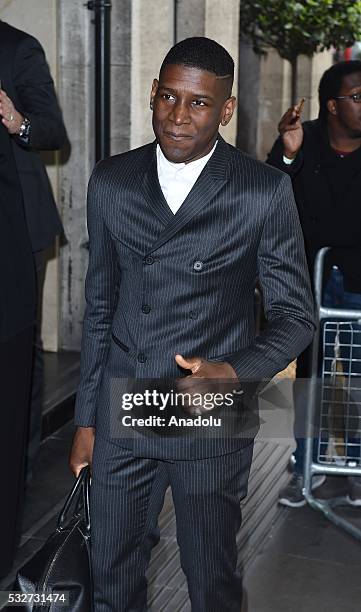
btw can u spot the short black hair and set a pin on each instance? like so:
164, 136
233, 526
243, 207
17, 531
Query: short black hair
331, 82
203, 53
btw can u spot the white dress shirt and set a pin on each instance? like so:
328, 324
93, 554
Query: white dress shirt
176, 180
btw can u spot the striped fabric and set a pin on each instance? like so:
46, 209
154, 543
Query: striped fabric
160, 284
127, 496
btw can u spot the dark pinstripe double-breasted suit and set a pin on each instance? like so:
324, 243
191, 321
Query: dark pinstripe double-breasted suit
160, 284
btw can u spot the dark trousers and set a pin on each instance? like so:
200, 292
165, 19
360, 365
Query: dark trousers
15, 369
127, 496
37, 376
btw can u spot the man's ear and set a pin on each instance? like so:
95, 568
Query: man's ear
228, 110
153, 91
332, 106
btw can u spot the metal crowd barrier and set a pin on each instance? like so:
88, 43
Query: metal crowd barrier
334, 401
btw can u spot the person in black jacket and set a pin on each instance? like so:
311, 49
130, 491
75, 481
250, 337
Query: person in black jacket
30, 112
17, 316
323, 157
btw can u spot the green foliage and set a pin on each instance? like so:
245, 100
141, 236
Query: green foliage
300, 27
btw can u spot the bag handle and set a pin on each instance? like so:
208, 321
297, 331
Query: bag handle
86, 498
82, 482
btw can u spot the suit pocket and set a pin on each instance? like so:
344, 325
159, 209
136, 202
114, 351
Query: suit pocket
121, 344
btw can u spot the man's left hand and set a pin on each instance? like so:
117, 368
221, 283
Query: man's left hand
11, 118
201, 368
206, 377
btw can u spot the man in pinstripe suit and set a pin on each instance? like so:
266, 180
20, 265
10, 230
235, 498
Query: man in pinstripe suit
180, 230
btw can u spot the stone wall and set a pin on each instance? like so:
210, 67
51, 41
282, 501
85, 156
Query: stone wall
76, 91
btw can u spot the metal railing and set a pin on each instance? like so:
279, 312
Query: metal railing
334, 401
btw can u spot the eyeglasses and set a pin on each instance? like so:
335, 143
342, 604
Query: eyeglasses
356, 97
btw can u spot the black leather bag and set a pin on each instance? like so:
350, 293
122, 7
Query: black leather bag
63, 563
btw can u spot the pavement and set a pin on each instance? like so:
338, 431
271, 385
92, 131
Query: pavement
293, 560
308, 564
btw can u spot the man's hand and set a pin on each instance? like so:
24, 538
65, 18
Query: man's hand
201, 368
11, 118
291, 131
206, 377
81, 453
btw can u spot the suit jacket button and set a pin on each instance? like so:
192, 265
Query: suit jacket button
193, 314
146, 309
197, 266
142, 358
149, 260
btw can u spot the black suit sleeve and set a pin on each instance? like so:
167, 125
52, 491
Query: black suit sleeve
101, 294
36, 92
275, 159
286, 289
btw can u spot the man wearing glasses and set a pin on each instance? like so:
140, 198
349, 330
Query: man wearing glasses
323, 158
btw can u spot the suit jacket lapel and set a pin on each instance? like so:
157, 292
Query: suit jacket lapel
152, 190
212, 178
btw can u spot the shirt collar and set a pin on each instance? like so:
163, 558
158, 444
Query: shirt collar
167, 166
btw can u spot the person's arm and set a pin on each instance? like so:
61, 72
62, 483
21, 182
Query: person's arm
287, 296
286, 153
38, 101
101, 293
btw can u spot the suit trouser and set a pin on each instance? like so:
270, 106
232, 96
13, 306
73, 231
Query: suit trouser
15, 369
127, 495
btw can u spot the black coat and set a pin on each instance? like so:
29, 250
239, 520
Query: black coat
26, 79
327, 190
17, 296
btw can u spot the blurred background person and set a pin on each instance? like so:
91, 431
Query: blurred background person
32, 117
323, 158
17, 317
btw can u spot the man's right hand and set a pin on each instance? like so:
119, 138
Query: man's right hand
291, 131
81, 453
